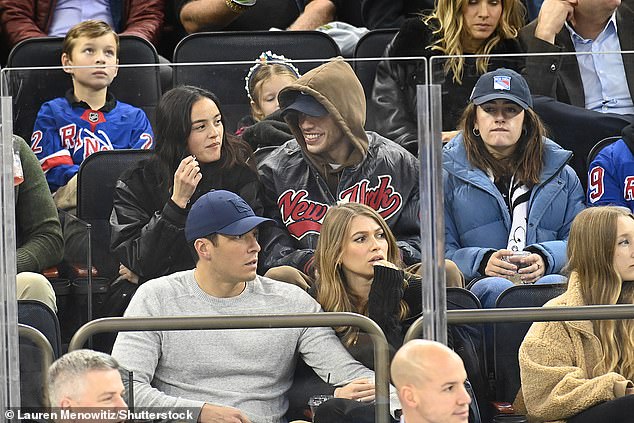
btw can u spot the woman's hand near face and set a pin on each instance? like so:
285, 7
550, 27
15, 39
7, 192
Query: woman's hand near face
535, 269
186, 179
385, 263
359, 389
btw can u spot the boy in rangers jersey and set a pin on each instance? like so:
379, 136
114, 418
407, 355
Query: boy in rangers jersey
611, 174
88, 119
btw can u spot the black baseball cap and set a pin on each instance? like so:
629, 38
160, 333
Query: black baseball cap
502, 84
306, 104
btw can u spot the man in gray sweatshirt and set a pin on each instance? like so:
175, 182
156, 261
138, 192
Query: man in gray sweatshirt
228, 375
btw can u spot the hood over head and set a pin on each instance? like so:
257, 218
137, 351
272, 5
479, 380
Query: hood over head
336, 87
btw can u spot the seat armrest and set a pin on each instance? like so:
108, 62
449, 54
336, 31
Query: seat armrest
503, 407
77, 270
51, 273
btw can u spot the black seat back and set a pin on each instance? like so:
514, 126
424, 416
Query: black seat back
371, 45
509, 336
227, 80
600, 145
468, 342
96, 179
138, 86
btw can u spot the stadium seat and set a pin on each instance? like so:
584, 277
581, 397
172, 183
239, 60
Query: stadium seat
599, 146
371, 45
96, 179
509, 336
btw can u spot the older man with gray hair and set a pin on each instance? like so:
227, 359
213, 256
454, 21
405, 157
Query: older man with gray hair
86, 380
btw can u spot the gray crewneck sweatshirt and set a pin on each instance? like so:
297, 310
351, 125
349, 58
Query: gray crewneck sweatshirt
248, 369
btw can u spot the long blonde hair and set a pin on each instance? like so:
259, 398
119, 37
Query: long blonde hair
447, 23
333, 291
591, 247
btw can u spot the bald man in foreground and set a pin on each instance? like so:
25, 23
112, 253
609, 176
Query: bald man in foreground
430, 380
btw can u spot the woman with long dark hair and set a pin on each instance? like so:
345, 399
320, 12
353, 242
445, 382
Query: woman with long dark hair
193, 155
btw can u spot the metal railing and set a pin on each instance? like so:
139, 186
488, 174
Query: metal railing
256, 321
40, 340
529, 314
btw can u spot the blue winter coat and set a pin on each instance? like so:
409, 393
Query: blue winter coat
477, 220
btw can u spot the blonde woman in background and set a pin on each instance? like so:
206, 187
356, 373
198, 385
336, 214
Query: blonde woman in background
582, 371
454, 27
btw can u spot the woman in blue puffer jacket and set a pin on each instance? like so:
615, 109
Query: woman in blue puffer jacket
507, 190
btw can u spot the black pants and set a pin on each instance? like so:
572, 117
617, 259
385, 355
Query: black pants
620, 410
339, 410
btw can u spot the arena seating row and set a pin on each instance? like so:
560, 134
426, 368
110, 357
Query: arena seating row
508, 335
141, 86
219, 61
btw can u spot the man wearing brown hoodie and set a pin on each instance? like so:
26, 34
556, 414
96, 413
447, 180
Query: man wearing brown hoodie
333, 159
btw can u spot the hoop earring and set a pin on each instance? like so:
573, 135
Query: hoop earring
524, 131
476, 131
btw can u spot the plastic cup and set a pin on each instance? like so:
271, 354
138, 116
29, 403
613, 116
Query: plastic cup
315, 401
515, 259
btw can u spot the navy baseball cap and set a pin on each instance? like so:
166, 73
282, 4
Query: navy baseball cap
220, 212
306, 104
502, 84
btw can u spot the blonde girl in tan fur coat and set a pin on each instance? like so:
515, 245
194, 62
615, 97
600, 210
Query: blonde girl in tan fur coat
582, 371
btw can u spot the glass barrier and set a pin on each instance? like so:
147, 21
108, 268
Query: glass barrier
574, 118
402, 107
9, 364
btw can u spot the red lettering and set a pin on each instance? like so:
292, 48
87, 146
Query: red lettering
287, 202
300, 216
148, 141
381, 198
628, 190
595, 184
35, 142
67, 134
91, 145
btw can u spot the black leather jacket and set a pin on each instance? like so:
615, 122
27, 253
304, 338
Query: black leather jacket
297, 197
147, 233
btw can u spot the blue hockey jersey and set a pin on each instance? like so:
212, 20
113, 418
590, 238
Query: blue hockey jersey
611, 175
67, 131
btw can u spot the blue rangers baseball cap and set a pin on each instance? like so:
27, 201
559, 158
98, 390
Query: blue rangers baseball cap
220, 212
502, 84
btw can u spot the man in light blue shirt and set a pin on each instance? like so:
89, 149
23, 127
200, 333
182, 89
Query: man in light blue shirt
603, 81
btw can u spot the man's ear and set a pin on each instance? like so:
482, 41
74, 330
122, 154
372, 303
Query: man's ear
66, 403
66, 61
408, 396
203, 248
